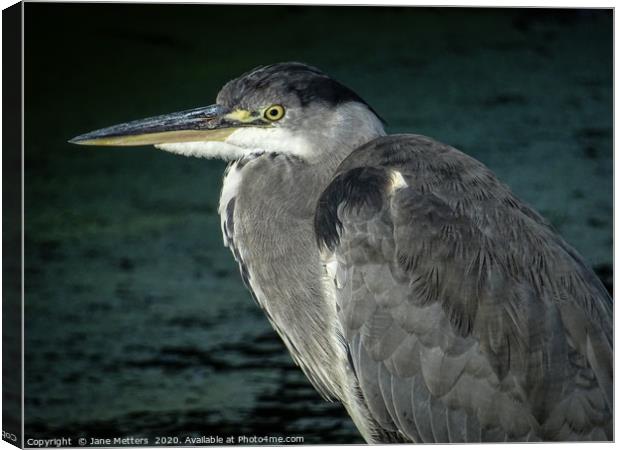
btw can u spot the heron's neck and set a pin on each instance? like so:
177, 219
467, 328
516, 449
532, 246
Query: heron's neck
267, 207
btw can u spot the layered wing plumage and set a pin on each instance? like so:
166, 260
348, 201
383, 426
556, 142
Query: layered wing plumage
466, 317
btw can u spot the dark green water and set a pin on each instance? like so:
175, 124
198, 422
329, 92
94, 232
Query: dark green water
137, 323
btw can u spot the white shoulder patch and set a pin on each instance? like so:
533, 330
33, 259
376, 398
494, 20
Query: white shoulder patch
397, 181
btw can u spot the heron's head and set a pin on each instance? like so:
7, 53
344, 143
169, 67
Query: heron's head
289, 108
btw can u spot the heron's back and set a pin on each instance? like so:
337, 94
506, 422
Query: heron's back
466, 316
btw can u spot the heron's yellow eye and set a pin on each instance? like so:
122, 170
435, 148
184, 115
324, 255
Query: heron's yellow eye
274, 112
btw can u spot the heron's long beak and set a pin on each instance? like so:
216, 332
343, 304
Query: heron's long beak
211, 123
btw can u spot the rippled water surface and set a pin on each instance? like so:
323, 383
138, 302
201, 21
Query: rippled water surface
137, 323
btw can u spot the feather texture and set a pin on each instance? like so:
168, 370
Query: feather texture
470, 318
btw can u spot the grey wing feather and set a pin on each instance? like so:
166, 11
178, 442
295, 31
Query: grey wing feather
470, 319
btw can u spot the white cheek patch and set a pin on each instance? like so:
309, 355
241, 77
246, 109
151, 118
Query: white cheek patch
220, 150
271, 140
244, 142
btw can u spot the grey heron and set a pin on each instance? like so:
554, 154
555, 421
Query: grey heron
404, 278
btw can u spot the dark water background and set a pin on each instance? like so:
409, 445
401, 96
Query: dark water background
137, 323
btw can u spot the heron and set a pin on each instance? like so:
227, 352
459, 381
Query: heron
406, 280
